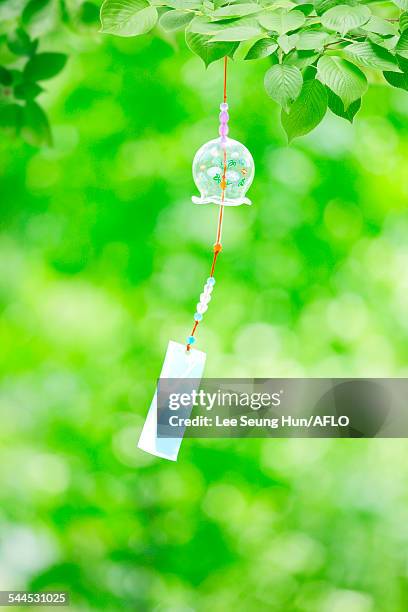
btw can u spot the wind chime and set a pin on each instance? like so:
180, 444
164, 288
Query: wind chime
223, 170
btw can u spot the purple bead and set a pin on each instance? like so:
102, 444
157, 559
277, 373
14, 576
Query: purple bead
223, 131
224, 117
224, 106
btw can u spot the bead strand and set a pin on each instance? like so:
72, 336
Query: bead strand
202, 306
224, 118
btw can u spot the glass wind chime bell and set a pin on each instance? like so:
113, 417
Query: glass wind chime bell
208, 168
223, 170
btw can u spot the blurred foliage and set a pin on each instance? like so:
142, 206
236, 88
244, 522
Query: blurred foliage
102, 256
24, 68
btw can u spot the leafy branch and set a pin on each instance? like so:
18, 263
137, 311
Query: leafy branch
320, 54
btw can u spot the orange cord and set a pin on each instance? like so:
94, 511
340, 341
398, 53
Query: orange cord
217, 246
225, 78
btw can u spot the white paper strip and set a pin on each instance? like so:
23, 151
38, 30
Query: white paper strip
177, 364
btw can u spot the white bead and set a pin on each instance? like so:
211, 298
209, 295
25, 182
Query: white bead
201, 308
208, 288
205, 298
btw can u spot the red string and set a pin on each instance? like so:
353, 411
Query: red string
218, 245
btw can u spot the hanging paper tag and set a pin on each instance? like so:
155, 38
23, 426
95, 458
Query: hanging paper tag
178, 364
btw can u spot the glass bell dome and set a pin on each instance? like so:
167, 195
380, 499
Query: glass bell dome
208, 170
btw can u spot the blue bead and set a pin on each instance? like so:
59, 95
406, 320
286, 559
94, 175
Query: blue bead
211, 280
190, 340
198, 316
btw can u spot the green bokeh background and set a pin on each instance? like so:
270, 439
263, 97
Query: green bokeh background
102, 259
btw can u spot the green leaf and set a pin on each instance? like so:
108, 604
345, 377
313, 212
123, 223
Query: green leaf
238, 30
32, 9
44, 66
6, 77
282, 21
301, 59
403, 64
40, 17
402, 45
236, 10
88, 14
287, 43
171, 21
342, 77
307, 111
337, 107
20, 43
202, 25
321, 6
243, 28
262, 48
18, 76
309, 73
403, 4
209, 51
372, 56
306, 8
311, 40
396, 79
239, 33
400, 79
127, 17
388, 43
283, 84
27, 91
35, 128
10, 117
380, 26
403, 22
184, 4
343, 18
